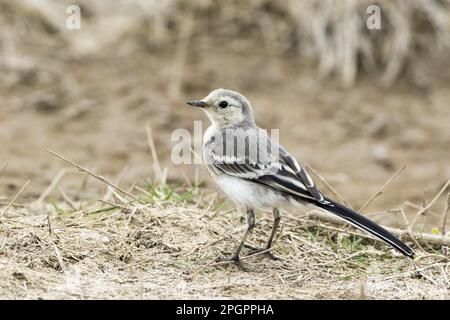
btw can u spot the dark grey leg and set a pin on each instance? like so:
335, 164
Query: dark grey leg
276, 223
251, 221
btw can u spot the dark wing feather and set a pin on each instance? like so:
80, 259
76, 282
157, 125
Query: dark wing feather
277, 175
301, 174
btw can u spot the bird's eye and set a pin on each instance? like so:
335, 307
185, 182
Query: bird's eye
223, 104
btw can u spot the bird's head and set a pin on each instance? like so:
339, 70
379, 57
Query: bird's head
225, 108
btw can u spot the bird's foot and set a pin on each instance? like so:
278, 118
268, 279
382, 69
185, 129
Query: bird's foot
265, 251
235, 260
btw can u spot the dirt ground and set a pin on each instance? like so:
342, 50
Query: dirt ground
90, 98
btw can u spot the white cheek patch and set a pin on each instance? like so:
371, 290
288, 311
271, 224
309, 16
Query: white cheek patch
232, 114
225, 117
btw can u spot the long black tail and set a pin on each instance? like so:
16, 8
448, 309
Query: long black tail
367, 225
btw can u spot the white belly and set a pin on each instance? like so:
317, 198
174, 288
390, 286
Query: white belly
249, 194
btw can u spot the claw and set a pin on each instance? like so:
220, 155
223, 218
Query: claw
255, 250
234, 259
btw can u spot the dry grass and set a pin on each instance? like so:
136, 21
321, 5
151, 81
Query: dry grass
166, 247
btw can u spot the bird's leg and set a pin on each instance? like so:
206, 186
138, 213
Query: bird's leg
276, 223
251, 221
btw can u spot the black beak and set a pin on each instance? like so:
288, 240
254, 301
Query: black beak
197, 103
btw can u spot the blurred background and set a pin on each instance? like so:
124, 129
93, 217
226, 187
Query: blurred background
356, 104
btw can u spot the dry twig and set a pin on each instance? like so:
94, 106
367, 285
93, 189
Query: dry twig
341, 198
157, 171
380, 191
102, 179
423, 210
15, 197
59, 258
52, 185
445, 215
67, 199
3, 168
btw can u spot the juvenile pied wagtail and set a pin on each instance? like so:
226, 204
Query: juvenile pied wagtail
258, 173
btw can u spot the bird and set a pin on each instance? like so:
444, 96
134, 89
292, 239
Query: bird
258, 173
